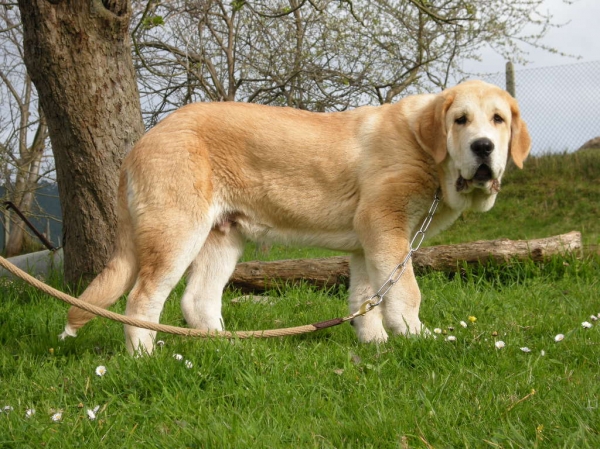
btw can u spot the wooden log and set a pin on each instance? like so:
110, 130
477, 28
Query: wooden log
327, 272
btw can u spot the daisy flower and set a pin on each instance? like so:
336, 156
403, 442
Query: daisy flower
101, 370
463, 324
525, 349
57, 417
587, 324
92, 413
188, 364
29, 412
160, 343
500, 344
178, 357
559, 337
450, 338
437, 330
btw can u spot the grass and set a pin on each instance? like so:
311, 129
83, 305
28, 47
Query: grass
325, 390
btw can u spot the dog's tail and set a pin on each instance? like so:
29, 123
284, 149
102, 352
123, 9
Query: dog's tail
119, 274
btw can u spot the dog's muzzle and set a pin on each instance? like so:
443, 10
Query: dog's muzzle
482, 177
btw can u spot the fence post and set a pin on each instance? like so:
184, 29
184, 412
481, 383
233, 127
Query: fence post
510, 79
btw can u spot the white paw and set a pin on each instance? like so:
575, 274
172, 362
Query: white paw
68, 332
378, 335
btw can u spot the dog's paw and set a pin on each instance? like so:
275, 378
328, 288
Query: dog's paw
372, 335
68, 332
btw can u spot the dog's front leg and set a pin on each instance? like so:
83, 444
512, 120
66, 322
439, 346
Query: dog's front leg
401, 305
369, 328
384, 235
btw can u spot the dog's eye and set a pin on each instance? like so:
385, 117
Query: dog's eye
498, 119
461, 120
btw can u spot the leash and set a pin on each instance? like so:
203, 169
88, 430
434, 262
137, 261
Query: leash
365, 307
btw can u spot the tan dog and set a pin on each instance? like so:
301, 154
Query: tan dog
210, 176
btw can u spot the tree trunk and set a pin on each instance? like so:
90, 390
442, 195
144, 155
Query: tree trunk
28, 174
327, 272
78, 55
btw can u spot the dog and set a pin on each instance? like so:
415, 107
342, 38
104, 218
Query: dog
212, 175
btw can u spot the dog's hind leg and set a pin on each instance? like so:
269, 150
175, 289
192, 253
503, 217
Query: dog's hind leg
165, 252
208, 275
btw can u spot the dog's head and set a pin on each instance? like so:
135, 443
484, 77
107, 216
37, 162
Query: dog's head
470, 130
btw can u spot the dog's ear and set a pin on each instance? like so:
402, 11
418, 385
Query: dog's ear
429, 127
520, 142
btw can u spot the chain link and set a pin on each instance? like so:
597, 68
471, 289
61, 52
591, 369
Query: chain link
399, 270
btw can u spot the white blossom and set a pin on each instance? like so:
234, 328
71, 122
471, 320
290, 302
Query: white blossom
525, 349
92, 413
463, 324
587, 324
101, 370
450, 338
57, 417
188, 364
500, 344
559, 337
178, 357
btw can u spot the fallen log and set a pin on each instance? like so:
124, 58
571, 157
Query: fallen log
327, 272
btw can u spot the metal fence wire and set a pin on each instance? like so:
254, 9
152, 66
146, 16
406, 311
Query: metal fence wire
561, 104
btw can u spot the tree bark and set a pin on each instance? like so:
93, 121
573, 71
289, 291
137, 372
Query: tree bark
331, 271
78, 55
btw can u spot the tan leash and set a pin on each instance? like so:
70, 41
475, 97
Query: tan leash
173, 329
366, 306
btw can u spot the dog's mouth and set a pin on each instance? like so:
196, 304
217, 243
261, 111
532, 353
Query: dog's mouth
482, 177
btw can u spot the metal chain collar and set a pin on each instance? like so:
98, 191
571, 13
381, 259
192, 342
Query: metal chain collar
399, 270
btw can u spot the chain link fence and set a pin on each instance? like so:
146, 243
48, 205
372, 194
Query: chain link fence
561, 104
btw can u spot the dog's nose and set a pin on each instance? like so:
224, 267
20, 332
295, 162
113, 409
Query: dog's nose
482, 147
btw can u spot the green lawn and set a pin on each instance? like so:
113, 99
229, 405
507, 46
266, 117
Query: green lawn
325, 390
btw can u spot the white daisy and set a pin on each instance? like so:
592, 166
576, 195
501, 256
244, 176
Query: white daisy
29, 412
8, 408
160, 343
525, 349
593, 318
57, 417
500, 344
101, 370
587, 324
92, 413
463, 324
559, 337
450, 338
437, 330
188, 364
178, 357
